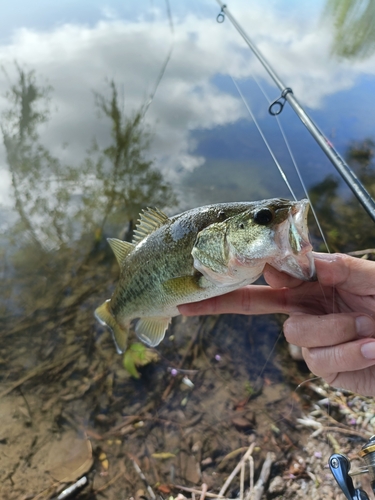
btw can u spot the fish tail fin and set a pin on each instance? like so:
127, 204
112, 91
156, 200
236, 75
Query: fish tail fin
120, 334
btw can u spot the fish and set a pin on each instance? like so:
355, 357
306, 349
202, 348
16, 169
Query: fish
198, 254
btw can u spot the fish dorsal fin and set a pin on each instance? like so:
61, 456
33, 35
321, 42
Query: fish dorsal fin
150, 220
152, 330
120, 248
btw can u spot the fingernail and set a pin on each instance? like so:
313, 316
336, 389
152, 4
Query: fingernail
368, 350
364, 326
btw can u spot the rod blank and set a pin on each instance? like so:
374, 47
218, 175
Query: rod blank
338, 162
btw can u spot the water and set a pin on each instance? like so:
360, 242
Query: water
84, 150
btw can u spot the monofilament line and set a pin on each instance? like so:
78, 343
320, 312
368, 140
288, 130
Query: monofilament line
339, 163
265, 140
295, 164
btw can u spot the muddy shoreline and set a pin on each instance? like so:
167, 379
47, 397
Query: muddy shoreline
69, 408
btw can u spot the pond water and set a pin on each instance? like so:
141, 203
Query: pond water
107, 108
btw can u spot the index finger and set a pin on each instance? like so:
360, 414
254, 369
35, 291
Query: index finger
251, 299
334, 270
345, 272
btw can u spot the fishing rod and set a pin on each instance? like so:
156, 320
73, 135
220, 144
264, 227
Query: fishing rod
277, 106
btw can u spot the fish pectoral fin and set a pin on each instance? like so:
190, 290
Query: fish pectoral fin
182, 286
152, 330
121, 249
119, 333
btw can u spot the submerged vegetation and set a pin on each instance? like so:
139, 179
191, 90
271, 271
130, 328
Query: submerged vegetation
63, 210
345, 223
125, 180
354, 25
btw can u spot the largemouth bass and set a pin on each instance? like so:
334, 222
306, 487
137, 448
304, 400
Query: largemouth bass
198, 254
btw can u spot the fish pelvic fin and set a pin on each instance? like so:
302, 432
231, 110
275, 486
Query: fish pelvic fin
152, 330
120, 334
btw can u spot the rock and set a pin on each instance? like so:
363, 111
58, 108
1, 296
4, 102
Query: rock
190, 468
241, 423
295, 352
277, 485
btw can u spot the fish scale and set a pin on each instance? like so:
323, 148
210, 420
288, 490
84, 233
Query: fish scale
201, 253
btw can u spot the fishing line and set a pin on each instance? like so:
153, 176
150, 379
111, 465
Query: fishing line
169, 14
270, 355
291, 190
295, 165
279, 166
287, 94
158, 80
265, 140
166, 62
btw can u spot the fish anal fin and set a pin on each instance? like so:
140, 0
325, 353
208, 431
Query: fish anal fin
152, 330
150, 219
119, 332
121, 249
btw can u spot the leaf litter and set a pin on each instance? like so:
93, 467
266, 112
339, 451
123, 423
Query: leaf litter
238, 429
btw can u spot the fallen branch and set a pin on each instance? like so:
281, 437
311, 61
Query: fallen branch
236, 470
198, 492
264, 475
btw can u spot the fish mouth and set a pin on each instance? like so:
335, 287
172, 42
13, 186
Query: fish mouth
293, 240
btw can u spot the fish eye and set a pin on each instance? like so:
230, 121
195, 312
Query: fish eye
263, 217
222, 215
241, 226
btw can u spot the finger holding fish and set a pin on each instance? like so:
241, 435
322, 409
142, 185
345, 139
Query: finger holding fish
350, 365
328, 361
249, 300
340, 348
345, 284
329, 330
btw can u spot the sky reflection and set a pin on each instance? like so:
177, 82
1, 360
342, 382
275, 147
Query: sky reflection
197, 117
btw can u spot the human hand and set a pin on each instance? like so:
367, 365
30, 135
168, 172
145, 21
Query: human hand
332, 319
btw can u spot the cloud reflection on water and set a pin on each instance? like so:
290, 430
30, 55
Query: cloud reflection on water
77, 58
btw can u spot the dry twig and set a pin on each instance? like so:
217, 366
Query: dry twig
264, 475
236, 469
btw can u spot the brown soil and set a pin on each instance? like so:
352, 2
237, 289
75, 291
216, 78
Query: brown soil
68, 408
